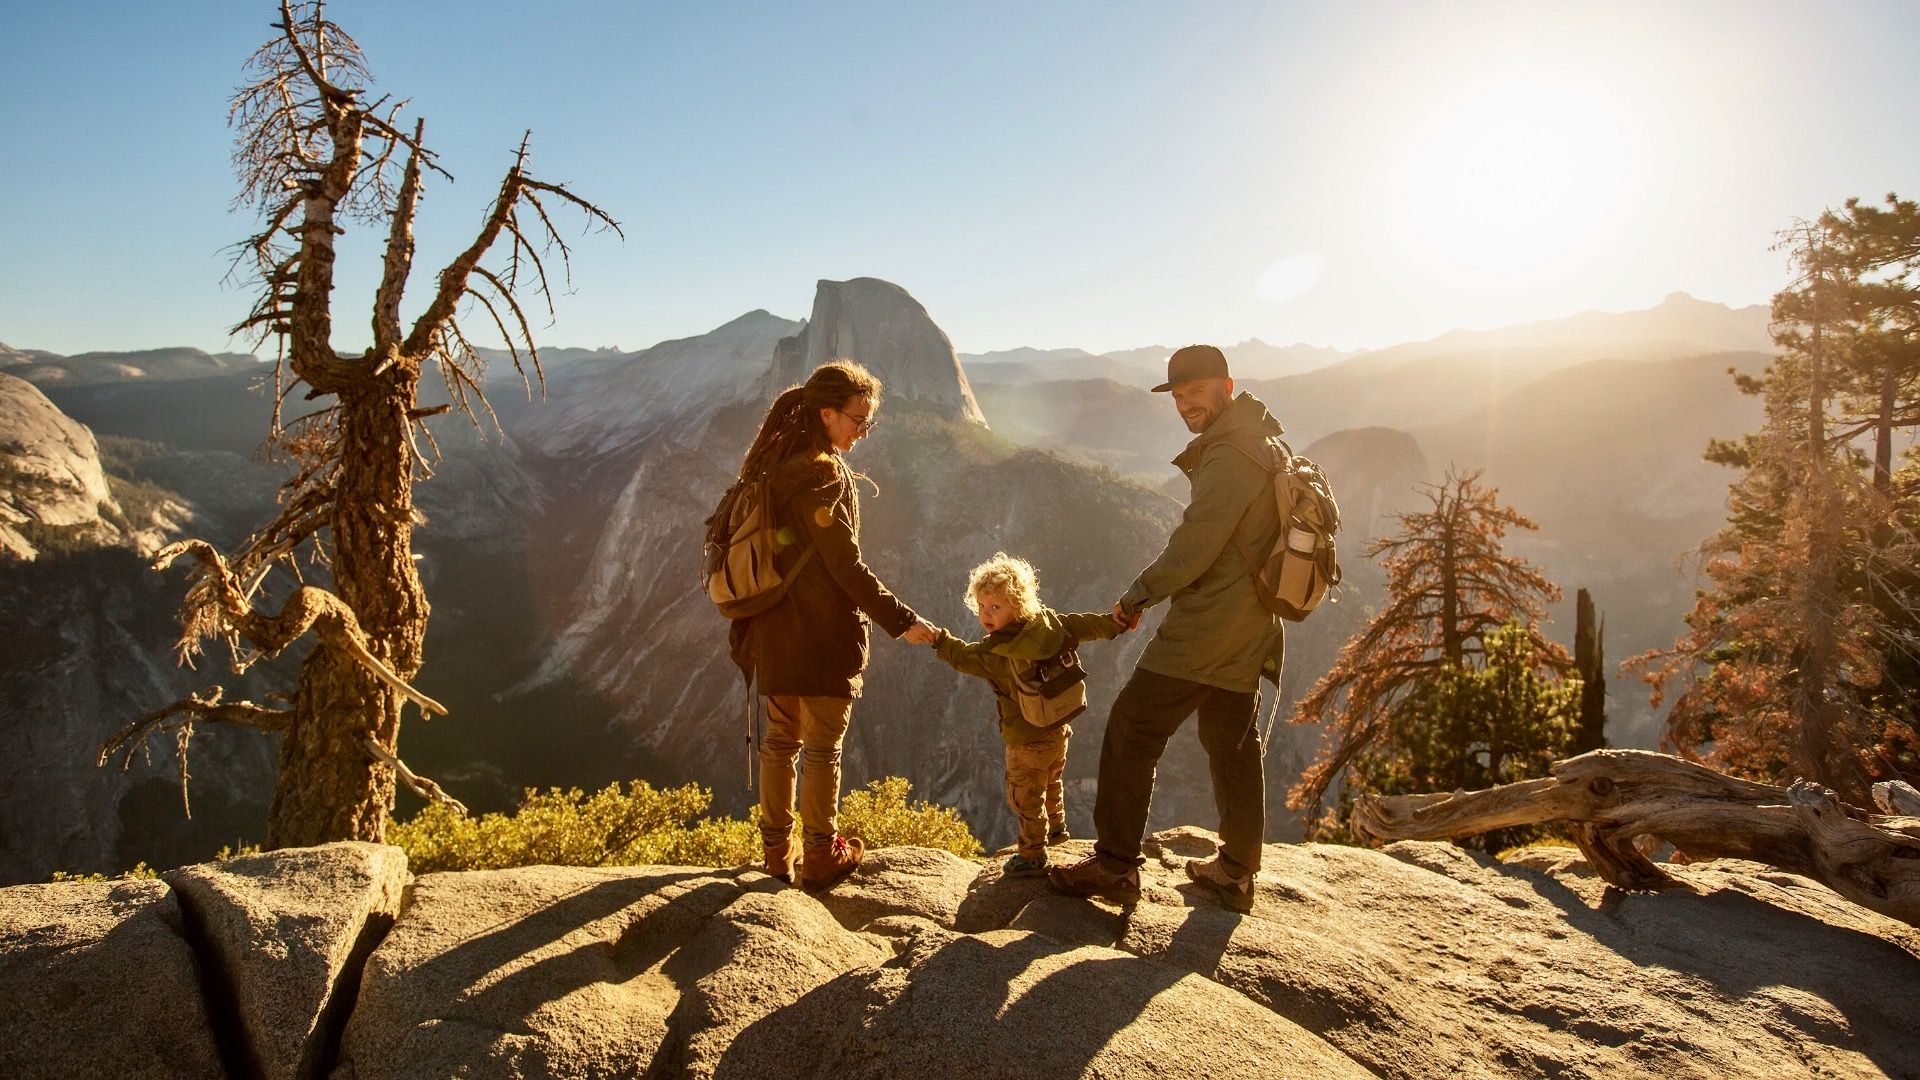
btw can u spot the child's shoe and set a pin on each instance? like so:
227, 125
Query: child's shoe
1058, 836
1021, 866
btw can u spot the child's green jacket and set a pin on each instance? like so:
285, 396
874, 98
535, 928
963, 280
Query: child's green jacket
1036, 638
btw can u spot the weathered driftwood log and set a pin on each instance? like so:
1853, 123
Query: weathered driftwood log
1612, 797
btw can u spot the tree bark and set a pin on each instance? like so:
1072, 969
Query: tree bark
1612, 797
1452, 645
1883, 432
329, 787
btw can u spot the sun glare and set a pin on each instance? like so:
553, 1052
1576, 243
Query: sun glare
1520, 176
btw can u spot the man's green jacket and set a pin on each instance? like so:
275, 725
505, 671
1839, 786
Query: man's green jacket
1216, 631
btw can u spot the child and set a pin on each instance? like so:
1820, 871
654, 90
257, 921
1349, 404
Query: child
1005, 593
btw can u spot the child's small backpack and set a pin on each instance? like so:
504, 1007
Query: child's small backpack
738, 569
1301, 566
1053, 690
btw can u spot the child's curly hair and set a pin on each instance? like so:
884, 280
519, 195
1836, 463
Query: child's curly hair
1011, 577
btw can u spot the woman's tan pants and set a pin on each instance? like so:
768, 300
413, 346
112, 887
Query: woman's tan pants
809, 729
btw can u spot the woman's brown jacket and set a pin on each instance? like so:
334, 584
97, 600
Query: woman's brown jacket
814, 641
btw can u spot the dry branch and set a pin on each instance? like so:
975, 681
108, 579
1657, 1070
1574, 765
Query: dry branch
421, 786
180, 717
1613, 797
309, 608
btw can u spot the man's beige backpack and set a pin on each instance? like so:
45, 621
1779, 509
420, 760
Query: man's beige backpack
1299, 569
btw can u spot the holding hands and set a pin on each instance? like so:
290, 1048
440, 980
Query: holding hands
1128, 620
921, 632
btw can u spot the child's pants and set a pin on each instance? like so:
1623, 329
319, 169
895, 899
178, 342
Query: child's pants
1035, 789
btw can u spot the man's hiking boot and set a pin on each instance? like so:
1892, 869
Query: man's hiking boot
1234, 890
1021, 866
827, 864
779, 863
1091, 876
1058, 836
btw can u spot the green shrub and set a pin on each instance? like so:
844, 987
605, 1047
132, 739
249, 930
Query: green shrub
639, 824
881, 814
140, 870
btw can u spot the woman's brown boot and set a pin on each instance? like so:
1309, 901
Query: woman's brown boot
828, 863
779, 862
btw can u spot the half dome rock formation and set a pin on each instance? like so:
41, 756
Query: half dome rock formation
52, 488
1418, 960
880, 325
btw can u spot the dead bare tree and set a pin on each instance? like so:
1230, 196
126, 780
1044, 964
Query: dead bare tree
312, 152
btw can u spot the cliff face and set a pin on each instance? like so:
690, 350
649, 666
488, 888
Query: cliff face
52, 488
1417, 961
88, 650
88, 635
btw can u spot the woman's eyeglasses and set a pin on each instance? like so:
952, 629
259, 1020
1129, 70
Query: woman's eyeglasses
862, 425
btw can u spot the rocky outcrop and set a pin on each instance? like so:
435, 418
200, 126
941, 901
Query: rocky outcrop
1018, 1004
99, 980
52, 488
287, 933
561, 971
1420, 960
878, 324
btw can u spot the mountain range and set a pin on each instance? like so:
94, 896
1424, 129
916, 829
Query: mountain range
574, 648
1143, 368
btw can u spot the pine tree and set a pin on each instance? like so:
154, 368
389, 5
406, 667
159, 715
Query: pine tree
1590, 660
1451, 587
1877, 250
1783, 670
1476, 726
314, 154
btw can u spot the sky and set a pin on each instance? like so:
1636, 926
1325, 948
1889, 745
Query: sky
1101, 176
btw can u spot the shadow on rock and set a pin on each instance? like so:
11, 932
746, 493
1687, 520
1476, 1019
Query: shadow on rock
1015, 1004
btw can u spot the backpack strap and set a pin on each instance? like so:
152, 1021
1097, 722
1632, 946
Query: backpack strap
1271, 467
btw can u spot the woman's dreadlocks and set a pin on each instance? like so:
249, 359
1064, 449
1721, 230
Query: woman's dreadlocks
793, 424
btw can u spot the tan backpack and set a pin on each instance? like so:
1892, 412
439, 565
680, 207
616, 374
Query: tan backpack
738, 570
1301, 567
1051, 691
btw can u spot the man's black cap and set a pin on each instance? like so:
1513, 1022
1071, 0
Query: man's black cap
1194, 362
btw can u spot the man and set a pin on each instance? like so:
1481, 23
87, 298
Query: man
1210, 651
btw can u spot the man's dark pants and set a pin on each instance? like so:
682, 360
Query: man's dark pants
1150, 708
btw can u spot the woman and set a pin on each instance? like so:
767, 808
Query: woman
807, 652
